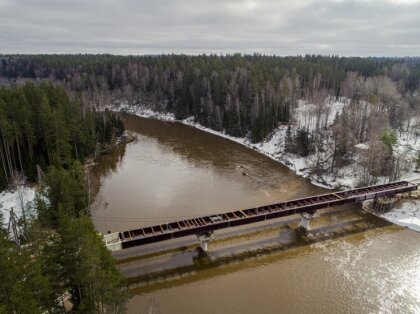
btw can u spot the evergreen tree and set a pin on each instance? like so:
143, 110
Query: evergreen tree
66, 194
303, 143
86, 269
24, 288
289, 142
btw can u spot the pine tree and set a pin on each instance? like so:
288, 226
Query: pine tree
24, 288
66, 193
86, 268
289, 142
303, 143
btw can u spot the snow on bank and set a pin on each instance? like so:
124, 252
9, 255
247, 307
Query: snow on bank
272, 147
143, 112
303, 117
17, 199
406, 214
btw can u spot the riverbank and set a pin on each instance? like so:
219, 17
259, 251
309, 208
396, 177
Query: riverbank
272, 147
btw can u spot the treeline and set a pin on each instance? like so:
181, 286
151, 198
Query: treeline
40, 125
244, 95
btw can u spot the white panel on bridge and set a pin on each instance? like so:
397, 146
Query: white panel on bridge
113, 241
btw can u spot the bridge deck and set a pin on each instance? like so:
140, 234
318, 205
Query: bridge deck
199, 225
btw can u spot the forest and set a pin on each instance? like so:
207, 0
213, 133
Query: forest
241, 94
56, 251
251, 95
58, 254
41, 126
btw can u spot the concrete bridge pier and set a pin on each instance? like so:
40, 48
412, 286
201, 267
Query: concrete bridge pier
305, 220
204, 238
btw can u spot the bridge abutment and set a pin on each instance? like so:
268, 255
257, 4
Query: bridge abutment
383, 204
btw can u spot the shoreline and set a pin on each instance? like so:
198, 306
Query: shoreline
266, 148
272, 147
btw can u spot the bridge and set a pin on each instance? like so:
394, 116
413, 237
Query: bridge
204, 227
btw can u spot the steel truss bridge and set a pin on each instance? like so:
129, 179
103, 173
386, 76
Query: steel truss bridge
204, 226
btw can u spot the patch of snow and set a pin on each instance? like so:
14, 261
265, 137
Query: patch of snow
18, 199
142, 111
307, 114
413, 177
406, 215
362, 146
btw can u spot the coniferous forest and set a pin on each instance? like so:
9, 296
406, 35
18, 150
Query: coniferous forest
58, 252
41, 126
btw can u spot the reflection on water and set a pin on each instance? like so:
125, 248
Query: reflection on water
106, 166
174, 170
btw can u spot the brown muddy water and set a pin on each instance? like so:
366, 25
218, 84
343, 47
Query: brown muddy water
350, 263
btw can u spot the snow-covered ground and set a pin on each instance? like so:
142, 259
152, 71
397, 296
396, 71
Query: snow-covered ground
306, 113
21, 197
406, 214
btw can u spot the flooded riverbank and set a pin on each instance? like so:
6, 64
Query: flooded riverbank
175, 171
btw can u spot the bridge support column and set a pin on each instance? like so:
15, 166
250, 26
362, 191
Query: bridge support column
204, 238
305, 220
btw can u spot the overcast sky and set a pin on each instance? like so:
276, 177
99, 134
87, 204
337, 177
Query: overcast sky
344, 27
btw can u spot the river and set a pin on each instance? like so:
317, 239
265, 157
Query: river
175, 171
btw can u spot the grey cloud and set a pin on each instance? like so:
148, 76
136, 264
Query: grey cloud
202, 26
